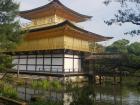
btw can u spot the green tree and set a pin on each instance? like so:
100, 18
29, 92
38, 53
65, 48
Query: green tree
10, 31
129, 13
131, 50
134, 48
134, 55
119, 46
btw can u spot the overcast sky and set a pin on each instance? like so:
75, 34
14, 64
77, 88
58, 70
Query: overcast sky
94, 8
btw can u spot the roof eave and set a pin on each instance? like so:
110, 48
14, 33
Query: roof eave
25, 14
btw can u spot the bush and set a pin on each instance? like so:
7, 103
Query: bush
56, 85
40, 84
9, 91
46, 85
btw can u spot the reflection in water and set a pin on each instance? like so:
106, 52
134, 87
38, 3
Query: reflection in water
104, 95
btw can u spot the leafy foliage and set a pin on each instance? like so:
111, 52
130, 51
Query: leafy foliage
83, 96
129, 13
134, 48
7, 90
95, 47
10, 31
119, 46
46, 85
131, 50
5, 62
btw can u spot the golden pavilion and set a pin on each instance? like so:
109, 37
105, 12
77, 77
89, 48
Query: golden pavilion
54, 44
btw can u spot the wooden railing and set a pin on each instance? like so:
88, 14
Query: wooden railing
53, 71
58, 70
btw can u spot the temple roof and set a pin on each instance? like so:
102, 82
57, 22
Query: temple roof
54, 8
65, 28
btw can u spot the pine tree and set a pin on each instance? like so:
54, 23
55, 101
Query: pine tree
128, 13
10, 31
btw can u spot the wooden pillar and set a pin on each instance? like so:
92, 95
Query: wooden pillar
94, 72
27, 62
73, 61
82, 69
18, 66
120, 72
36, 61
114, 78
43, 60
51, 63
63, 69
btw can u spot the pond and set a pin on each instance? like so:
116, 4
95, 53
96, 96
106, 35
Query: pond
117, 95
105, 94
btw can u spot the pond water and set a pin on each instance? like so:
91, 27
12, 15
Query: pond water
117, 95
105, 94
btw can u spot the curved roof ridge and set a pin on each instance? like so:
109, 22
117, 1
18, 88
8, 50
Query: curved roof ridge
25, 11
71, 9
66, 22
51, 3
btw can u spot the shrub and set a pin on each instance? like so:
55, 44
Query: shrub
9, 91
46, 85
56, 85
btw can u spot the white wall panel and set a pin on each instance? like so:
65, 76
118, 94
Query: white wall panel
47, 68
76, 56
57, 61
31, 67
40, 61
22, 67
57, 68
22, 61
39, 68
31, 61
77, 64
47, 61
68, 64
